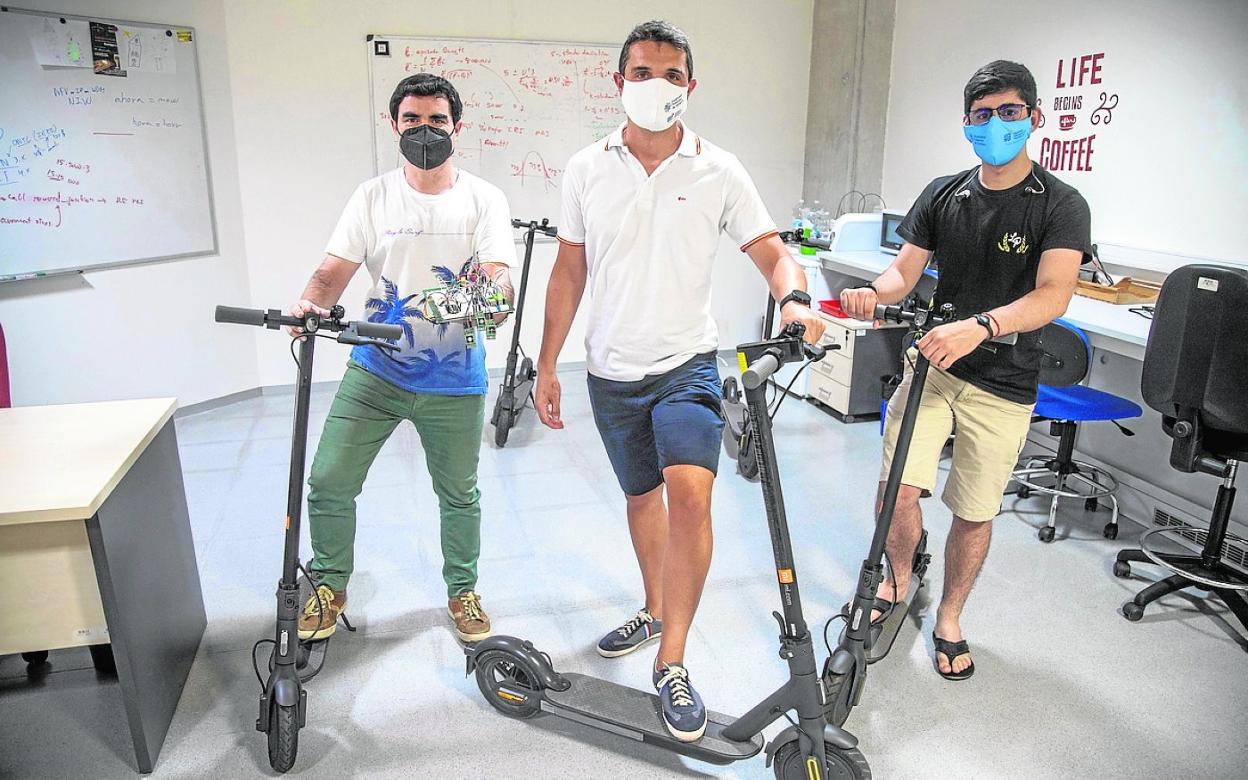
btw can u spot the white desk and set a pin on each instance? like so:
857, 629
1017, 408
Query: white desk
96, 549
1110, 327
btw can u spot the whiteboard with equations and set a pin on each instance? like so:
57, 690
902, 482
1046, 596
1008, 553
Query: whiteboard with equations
99, 169
528, 107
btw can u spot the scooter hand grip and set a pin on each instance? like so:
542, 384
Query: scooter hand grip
240, 316
759, 370
378, 330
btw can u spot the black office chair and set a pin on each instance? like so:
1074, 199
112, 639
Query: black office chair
1196, 375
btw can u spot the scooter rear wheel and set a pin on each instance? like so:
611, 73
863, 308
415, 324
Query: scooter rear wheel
283, 737
508, 684
841, 764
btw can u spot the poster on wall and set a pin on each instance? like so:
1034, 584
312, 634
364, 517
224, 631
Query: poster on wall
1077, 117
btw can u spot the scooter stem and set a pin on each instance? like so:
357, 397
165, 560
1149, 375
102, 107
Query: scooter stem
872, 572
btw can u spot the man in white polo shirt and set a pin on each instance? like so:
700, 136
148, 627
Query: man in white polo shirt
642, 213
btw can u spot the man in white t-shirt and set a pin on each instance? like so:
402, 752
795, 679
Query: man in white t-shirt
642, 214
416, 227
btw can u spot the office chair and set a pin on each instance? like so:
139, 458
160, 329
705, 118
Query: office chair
1060, 398
1196, 375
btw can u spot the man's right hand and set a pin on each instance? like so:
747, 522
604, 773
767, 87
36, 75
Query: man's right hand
302, 308
859, 302
546, 398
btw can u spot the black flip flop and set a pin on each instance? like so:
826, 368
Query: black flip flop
952, 650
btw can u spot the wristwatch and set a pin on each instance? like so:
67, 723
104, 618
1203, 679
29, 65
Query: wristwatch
801, 296
986, 321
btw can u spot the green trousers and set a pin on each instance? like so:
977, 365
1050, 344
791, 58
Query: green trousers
365, 412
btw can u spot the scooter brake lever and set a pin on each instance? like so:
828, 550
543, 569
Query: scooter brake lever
780, 622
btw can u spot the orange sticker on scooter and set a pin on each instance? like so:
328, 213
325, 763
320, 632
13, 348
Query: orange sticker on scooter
287, 522
785, 575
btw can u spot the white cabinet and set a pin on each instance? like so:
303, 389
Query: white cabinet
850, 378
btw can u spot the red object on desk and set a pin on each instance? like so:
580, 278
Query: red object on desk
833, 307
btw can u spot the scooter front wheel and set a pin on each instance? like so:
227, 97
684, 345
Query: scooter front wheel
508, 684
841, 764
839, 690
283, 737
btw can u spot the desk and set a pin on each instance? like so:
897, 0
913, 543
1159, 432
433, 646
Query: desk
1110, 327
95, 547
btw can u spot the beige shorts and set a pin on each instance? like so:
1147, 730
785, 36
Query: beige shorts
991, 434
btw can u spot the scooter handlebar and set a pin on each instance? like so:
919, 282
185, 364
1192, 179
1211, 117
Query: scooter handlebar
378, 330
542, 227
894, 313
758, 371
235, 315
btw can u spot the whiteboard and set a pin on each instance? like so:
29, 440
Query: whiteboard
528, 107
99, 169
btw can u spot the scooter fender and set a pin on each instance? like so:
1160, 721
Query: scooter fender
286, 692
523, 649
832, 736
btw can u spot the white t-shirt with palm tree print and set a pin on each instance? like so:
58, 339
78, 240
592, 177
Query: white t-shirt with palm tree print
411, 242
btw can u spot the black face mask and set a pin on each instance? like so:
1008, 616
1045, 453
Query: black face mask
425, 146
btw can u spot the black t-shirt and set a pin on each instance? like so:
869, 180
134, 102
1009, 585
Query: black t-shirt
987, 246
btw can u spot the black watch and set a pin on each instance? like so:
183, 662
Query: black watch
801, 296
986, 321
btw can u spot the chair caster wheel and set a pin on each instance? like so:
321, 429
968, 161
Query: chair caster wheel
1046, 534
1092, 505
1122, 569
1110, 531
1024, 492
1132, 611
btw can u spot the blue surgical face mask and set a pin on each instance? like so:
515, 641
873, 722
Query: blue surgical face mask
998, 142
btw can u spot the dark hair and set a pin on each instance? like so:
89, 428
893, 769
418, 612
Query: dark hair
1000, 76
658, 31
426, 85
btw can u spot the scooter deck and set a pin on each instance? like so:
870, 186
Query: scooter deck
637, 715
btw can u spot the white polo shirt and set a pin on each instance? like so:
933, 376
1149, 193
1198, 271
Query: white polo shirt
650, 243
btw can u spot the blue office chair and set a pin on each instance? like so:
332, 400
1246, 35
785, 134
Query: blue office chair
1066, 403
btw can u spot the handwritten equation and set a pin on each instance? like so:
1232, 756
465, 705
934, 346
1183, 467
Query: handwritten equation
527, 107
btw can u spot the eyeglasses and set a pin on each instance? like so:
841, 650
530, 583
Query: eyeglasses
1009, 112
1144, 311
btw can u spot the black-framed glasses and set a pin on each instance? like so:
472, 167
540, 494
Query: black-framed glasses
1009, 112
1144, 311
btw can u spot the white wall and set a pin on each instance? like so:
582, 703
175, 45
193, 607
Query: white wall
302, 121
146, 330
1169, 172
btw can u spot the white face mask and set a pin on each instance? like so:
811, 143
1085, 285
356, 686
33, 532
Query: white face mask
654, 104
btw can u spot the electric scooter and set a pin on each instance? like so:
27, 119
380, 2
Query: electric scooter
520, 681
865, 641
283, 701
517, 384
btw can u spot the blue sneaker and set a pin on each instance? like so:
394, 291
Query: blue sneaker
682, 706
642, 629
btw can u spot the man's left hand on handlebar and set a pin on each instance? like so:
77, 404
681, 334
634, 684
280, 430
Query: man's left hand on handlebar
944, 345
796, 312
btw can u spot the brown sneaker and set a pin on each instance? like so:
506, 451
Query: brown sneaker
471, 622
320, 614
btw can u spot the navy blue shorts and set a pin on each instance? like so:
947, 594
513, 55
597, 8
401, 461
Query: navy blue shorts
670, 419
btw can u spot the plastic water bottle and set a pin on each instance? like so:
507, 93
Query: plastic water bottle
799, 214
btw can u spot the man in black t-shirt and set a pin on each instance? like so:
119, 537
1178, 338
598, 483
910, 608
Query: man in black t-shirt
1008, 239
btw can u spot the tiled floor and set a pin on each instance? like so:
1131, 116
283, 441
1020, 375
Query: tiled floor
1065, 686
